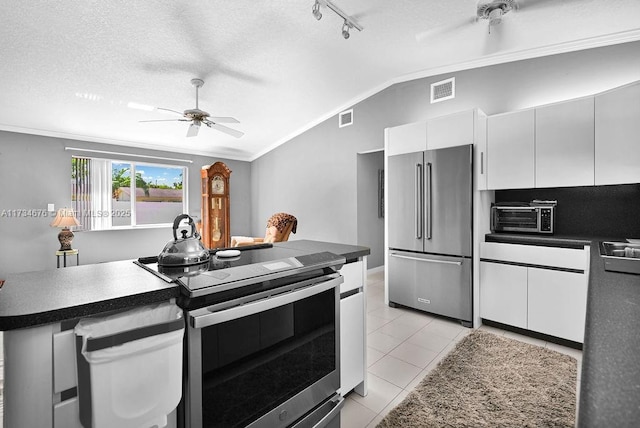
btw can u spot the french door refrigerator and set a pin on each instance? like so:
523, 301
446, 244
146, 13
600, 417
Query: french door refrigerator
430, 231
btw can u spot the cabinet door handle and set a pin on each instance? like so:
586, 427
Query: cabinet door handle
481, 163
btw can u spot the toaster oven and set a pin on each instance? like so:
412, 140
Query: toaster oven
527, 219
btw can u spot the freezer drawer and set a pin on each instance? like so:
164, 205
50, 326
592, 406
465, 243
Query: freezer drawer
431, 283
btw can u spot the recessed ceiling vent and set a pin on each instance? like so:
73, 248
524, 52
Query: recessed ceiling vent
345, 118
443, 90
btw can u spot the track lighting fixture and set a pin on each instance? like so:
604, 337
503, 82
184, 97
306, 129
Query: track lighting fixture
345, 29
349, 22
316, 11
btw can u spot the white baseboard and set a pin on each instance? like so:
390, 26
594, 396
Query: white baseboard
375, 269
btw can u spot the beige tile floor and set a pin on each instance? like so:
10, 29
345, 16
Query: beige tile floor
402, 347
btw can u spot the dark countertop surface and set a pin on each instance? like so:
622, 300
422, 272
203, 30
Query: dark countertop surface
610, 382
350, 252
43, 297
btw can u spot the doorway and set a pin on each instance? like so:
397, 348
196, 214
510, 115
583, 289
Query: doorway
370, 209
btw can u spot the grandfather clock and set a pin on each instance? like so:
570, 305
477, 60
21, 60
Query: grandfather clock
216, 224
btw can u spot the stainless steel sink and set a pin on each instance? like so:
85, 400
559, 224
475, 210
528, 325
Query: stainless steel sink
621, 256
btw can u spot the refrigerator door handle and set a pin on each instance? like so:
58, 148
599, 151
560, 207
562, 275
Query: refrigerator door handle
418, 201
446, 262
429, 202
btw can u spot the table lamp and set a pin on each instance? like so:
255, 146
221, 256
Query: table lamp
65, 219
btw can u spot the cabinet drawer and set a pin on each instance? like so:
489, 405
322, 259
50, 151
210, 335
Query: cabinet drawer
353, 276
568, 258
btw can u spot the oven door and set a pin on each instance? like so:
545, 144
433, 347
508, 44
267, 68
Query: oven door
264, 360
515, 219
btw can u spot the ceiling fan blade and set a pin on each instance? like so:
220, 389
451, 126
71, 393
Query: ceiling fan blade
166, 120
193, 129
218, 119
169, 110
224, 129
442, 30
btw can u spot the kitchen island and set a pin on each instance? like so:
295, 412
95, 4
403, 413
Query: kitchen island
610, 382
38, 311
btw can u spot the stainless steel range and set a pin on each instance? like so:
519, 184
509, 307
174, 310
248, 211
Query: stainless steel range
262, 345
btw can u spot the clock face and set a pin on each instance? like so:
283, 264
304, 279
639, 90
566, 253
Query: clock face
217, 185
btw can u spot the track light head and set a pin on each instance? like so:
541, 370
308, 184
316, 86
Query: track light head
316, 11
345, 29
349, 22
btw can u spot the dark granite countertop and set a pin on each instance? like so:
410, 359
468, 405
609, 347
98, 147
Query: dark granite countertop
350, 252
43, 297
610, 385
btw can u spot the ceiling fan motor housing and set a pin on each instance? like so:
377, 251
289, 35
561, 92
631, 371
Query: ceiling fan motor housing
196, 114
494, 9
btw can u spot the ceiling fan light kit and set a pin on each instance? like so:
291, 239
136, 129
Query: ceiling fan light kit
349, 22
197, 117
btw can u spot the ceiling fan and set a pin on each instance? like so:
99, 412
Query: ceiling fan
494, 10
491, 10
196, 116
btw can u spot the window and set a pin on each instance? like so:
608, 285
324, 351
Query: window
105, 196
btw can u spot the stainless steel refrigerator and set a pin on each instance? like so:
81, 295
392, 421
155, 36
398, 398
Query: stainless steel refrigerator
430, 231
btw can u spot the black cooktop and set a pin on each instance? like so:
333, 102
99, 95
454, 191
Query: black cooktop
252, 265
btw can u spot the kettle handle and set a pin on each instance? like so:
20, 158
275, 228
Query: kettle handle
176, 224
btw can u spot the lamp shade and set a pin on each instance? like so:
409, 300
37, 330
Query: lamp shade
65, 219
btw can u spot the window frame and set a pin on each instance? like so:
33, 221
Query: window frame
133, 167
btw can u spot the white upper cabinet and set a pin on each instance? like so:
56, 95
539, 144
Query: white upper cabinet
455, 129
564, 144
617, 136
408, 138
511, 150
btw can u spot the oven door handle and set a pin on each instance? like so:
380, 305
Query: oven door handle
338, 403
204, 317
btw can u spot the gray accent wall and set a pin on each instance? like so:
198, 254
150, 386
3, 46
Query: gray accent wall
314, 175
35, 171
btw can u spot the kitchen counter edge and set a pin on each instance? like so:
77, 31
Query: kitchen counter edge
43, 297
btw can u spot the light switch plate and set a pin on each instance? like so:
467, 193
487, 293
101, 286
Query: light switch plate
51, 207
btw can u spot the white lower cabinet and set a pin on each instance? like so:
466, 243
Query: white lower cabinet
550, 300
557, 303
352, 369
353, 345
503, 293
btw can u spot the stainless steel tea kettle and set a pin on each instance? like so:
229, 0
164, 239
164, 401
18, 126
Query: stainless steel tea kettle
186, 250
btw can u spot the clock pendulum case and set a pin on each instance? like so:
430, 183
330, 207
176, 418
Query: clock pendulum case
216, 224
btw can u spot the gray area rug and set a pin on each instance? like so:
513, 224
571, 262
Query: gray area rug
492, 381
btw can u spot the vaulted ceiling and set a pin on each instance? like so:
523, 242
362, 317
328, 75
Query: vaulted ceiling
72, 69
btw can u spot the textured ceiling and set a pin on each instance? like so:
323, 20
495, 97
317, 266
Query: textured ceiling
70, 68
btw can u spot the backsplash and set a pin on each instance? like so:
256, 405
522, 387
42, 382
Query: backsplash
591, 211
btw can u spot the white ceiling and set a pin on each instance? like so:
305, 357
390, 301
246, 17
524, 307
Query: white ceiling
69, 68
